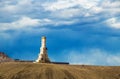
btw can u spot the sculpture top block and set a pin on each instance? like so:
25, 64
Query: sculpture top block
43, 41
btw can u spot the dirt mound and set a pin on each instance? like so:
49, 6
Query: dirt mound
4, 58
17, 70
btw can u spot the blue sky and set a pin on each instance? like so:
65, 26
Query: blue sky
77, 31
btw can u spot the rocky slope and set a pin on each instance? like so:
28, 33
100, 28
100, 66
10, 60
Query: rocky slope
5, 58
20, 70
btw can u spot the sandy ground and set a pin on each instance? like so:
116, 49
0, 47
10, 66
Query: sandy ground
54, 71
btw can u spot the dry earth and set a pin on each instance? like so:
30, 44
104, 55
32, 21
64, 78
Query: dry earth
55, 71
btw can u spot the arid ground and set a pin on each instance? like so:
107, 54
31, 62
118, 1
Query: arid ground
55, 71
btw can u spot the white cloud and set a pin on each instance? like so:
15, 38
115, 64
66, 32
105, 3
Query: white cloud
111, 4
55, 12
17, 8
97, 9
9, 8
111, 8
113, 22
58, 5
72, 8
66, 4
24, 22
27, 23
87, 4
93, 57
67, 14
115, 60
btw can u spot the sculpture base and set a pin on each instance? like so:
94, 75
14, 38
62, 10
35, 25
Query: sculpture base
42, 61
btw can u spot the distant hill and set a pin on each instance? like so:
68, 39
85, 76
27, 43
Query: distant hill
24, 70
5, 58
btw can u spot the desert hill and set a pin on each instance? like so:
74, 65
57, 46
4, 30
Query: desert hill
23, 70
4, 57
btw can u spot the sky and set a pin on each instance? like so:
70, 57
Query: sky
77, 31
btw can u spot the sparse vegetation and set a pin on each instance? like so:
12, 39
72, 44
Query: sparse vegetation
22, 70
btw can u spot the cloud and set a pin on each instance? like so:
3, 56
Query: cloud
24, 22
71, 8
92, 7
66, 4
15, 6
57, 12
94, 57
27, 23
114, 22
111, 4
82, 10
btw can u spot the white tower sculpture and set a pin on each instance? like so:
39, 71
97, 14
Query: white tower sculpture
43, 57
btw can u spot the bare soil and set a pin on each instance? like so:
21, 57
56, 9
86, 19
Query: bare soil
54, 71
